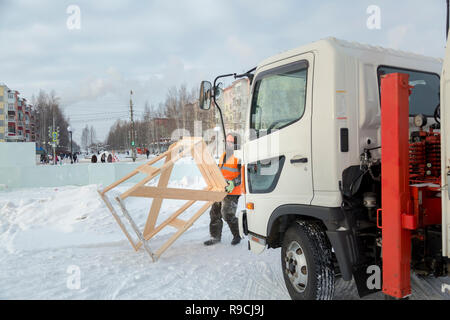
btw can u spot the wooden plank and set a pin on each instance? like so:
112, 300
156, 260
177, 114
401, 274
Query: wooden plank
213, 176
178, 194
211, 168
199, 162
155, 174
132, 174
118, 220
177, 223
135, 228
115, 184
166, 223
156, 203
148, 170
213, 193
207, 158
183, 229
214, 169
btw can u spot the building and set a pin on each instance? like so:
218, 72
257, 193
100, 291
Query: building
235, 105
17, 123
193, 114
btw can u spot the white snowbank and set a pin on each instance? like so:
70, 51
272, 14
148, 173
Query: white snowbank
44, 232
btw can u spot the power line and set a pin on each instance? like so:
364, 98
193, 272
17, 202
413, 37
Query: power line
94, 120
89, 116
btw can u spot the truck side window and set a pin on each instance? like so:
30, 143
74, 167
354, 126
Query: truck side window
425, 94
264, 175
279, 99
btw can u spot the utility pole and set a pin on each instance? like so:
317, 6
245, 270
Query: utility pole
44, 126
71, 146
54, 135
133, 136
53, 130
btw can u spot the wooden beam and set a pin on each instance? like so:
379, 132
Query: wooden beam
214, 169
177, 223
178, 194
156, 203
182, 230
199, 162
148, 170
135, 228
118, 220
132, 174
167, 222
157, 172
212, 193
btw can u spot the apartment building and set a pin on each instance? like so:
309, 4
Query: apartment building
235, 105
16, 117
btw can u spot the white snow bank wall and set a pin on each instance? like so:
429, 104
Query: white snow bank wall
18, 171
17, 154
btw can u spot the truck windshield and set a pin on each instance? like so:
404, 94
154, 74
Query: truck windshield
425, 94
278, 100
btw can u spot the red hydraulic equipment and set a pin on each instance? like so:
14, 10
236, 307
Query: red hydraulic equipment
410, 184
395, 91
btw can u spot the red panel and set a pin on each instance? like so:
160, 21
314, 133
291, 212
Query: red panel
395, 91
427, 204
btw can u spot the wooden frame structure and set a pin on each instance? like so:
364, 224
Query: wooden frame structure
214, 192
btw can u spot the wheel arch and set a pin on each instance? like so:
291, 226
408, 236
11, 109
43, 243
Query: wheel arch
341, 239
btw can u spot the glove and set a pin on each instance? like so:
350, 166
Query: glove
230, 187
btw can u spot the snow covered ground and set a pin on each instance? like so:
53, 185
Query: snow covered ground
46, 234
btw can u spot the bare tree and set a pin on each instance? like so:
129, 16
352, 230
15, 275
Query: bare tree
178, 111
85, 138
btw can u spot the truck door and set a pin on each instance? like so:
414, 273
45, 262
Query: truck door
445, 148
278, 150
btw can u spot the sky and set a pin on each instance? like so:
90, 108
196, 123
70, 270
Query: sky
150, 46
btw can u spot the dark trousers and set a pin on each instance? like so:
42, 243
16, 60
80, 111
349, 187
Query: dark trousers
225, 210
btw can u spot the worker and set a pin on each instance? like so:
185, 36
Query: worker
226, 210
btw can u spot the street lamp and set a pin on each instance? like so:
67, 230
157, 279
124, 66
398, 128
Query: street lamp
71, 152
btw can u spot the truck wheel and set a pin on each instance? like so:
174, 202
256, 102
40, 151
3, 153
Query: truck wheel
306, 261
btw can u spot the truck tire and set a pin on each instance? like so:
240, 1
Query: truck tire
306, 261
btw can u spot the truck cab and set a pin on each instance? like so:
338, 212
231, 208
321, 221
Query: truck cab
312, 157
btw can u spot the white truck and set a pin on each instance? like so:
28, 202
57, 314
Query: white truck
312, 156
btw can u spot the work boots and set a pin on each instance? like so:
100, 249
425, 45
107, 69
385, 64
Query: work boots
236, 240
211, 242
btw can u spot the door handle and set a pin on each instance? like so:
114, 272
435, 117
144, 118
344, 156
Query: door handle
301, 160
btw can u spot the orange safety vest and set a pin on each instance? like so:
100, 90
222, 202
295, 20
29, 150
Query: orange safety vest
230, 171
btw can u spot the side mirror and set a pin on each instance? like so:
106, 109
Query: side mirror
205, 95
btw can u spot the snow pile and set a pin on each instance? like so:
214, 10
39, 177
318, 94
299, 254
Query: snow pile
45, 233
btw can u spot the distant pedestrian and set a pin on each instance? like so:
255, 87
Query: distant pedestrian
75, 158
103, 158
148, 153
